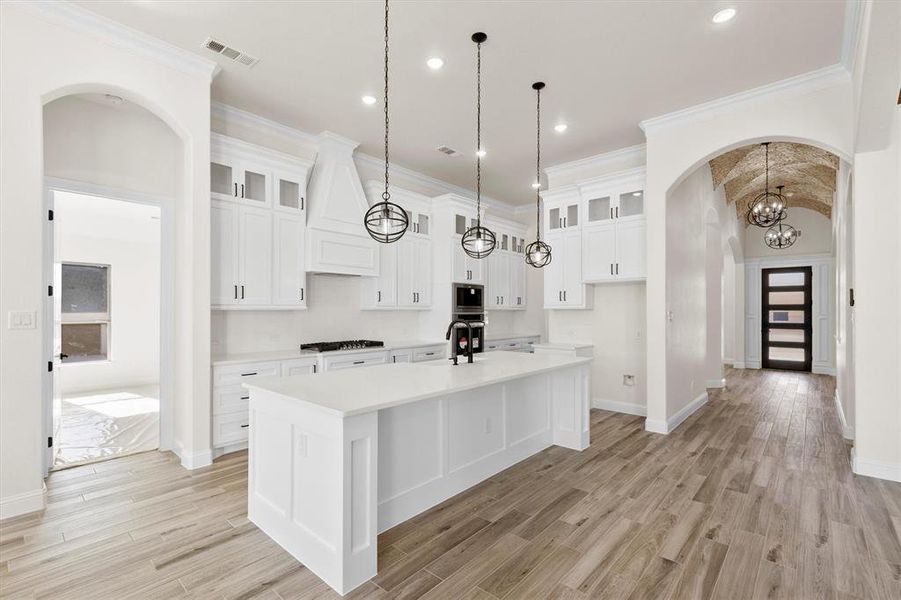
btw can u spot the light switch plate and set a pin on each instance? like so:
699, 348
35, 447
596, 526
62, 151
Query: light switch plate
22, 319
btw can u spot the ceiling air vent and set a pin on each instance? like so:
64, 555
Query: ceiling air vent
230, 53
448, 151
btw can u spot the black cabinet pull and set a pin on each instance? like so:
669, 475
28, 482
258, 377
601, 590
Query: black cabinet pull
236, 292
359, 362
301, 294
617, 212
245, 397
314, 368
242, 190
248, 374
301, 203
559, 296
611, 268
242, 292
236, 190
611, 212
617, 268
245, 426
379, 296
430, 354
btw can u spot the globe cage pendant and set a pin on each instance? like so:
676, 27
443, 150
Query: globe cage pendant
767, 208
478, 241
385, 221
781, 236
538, 253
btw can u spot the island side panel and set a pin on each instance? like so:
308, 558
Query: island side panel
433, 449
313, 486
569, 392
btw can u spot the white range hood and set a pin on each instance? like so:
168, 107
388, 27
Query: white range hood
337, 241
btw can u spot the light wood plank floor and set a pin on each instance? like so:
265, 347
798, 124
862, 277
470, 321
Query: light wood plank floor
752, 497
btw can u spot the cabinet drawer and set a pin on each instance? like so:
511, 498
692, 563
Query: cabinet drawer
428, 353
299, 366
351, 361
230, 400
237, 374
231, 428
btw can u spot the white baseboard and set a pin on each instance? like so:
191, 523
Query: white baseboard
665, 427
752, 364
823, 370
24, 503
620, 407
875, 468
727, 360
738, 365
847, 431
193, 460
716, 383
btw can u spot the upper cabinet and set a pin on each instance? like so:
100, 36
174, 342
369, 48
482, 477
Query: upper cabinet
257, 227
506, 267
613, 236
464, 268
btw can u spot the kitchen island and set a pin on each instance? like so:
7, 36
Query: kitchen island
336, 459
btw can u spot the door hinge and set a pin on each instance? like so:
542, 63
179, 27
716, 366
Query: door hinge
49, 366
50, 215
49, 290
50, 442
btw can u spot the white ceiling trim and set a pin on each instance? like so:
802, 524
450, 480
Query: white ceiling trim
110, 31
598, 160
225, 112
851, 33
793, 86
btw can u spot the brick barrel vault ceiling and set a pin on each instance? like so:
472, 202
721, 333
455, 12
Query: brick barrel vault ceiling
807, 172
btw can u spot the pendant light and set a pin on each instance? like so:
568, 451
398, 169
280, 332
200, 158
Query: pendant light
479, 241
385, 221
538, 253
781, 236
767, 208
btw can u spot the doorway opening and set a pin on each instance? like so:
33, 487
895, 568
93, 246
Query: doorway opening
787, 326
106, 328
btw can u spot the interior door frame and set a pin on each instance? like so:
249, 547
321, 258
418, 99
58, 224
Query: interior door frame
807, 328
166, 205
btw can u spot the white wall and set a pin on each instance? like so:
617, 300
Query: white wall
119, 146
842, 220
816, 235
615, 326
125, 236
728, 305
713, 280
47, 53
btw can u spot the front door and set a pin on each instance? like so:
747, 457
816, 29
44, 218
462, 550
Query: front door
787, 328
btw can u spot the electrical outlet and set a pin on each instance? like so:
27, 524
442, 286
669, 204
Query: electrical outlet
629, 380
22, 319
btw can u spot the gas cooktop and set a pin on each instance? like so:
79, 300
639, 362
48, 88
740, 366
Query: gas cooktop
343, 345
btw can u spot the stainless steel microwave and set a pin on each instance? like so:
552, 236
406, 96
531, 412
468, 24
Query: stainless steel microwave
468, 298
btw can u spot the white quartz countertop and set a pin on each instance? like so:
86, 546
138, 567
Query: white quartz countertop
563, 346
494, 336
244, 357
357, 391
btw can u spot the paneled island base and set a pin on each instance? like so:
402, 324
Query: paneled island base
327, 475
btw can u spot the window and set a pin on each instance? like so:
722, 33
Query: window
85, 302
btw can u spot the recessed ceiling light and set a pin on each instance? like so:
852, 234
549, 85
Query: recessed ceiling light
636, 194
481, 153
435, 63
724, 15
536, 185
369, 100
560, 127
789, 194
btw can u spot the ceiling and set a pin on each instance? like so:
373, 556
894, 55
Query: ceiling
808, 174
608, 65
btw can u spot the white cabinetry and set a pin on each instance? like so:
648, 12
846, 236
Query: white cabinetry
465, 269
563, 287
405, 267
352, 361
257, 227
505, 278
613, 235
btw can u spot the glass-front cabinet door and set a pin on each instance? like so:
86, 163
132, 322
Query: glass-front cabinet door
289, 191
630, 204
600, 209
230, 180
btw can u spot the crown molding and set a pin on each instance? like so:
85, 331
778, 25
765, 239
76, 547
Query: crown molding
851, 33
225, 112
597, 160
793, 86
123, 36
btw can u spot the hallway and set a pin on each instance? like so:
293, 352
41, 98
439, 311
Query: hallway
752, 497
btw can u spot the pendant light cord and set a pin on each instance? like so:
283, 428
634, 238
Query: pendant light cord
386, 194
766, 147
479, 134
538, 166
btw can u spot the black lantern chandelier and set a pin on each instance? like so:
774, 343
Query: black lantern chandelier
479, 241
782, 235
385, 221
768, 208
538, 253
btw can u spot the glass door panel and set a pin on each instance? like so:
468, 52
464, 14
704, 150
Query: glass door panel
288, 193
599, 209
254, 186
631, 204
221, 180
553, 220
786, 334
572, 216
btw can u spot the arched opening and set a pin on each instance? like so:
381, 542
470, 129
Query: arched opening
114, 172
